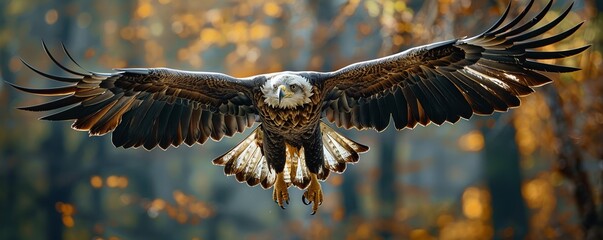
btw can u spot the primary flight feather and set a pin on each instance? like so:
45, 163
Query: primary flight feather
292, 145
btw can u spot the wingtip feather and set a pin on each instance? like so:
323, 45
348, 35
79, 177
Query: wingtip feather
499, 21
60, 91
58, 63
72, 59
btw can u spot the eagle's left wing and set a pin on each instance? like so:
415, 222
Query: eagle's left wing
150, 106
447, 80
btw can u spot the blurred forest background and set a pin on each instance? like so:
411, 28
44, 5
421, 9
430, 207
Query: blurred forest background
535, 172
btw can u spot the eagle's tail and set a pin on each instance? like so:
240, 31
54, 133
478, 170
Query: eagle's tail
338, 151
247, 162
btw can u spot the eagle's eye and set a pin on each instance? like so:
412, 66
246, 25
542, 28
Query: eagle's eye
293, 87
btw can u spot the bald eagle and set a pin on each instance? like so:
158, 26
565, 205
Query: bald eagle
292, 145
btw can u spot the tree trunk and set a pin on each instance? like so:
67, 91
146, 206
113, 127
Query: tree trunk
56, 193
53, 147
386, 191
503, 177
8, 219
569, 163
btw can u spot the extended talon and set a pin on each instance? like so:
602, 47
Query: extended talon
280, 194
304, 200
313, 194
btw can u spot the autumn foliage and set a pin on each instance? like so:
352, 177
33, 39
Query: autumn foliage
437, 184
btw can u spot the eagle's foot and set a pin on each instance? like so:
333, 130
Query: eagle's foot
313, 194
280, 195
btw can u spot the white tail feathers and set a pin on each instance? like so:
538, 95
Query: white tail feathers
338, 150
248, 164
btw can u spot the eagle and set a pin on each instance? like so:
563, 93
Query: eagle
292, 144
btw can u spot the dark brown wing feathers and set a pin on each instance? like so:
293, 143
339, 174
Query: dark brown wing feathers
436, 83
448, 80
149, 107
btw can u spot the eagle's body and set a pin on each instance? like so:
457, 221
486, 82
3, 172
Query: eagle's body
436, 83
296, 127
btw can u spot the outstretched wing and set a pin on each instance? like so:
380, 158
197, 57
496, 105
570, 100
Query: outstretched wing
447, 80
150, 106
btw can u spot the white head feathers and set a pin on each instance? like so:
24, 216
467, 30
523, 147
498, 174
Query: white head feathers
287, 91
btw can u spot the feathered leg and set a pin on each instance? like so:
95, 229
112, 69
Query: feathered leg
313, 151
274, 151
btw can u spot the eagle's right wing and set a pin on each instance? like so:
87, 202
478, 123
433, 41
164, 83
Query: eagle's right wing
150, 106
448, 80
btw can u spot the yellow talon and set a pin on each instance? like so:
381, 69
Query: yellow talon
280, 194
313, 194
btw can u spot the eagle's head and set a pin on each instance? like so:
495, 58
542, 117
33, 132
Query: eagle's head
287, 90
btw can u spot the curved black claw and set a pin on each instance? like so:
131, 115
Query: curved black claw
304, 201
313, 212
282, 207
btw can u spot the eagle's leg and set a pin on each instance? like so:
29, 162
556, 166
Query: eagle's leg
313, 193
280, 195
313, 151
274, 151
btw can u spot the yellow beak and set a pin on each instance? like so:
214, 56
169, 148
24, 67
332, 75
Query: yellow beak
282, 93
